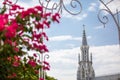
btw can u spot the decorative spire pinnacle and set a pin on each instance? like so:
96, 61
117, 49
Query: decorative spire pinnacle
78, 57
84, 40
91, 57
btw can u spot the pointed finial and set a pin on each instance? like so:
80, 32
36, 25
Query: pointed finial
91, 57
84, 40
83, 27
78, 57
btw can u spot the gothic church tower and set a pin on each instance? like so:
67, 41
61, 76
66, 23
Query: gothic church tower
85, 69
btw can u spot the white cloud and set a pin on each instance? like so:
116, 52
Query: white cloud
99, 27
106, 59
27, 4
92, 7
115, 4
81, 16
64, 63
64, 37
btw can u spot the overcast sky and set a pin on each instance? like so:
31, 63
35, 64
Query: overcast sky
65, 40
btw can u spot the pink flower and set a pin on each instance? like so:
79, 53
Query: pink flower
32, 10
43, 48
36, 71
34, 55
16, 64
46, 68
32, 63
9, 58
44, 34
55, 17
16, 58
16, 49
46, 63
41, 79
24, 14
35, 45
15, 7
11, 30
46, 15
39, 26
39, 61
3, 21
14, 75
7, 1
40, 8
46, 23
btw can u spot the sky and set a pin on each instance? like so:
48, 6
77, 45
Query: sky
65, 40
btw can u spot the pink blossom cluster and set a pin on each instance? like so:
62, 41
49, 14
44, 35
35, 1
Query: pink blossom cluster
20, 27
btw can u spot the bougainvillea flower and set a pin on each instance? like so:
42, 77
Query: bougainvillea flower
7, 2
46, 63
32, 63
34, 55
46, 68
41, 79
43, 48
39, 26
36, 71
12, 75
15, 7
55, 17
40, 8
24, 14
23, 29
9, 58
45, 15
44, 34
46, 24
32, 10
16, 58
11, 30
3, 21
16, 49
16, 64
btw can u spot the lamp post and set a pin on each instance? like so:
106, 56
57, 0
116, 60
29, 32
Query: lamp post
115, 16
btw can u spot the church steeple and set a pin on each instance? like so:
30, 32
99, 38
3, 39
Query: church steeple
85, 70
84, 40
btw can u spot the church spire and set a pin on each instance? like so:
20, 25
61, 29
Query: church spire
84, 40
85, 69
